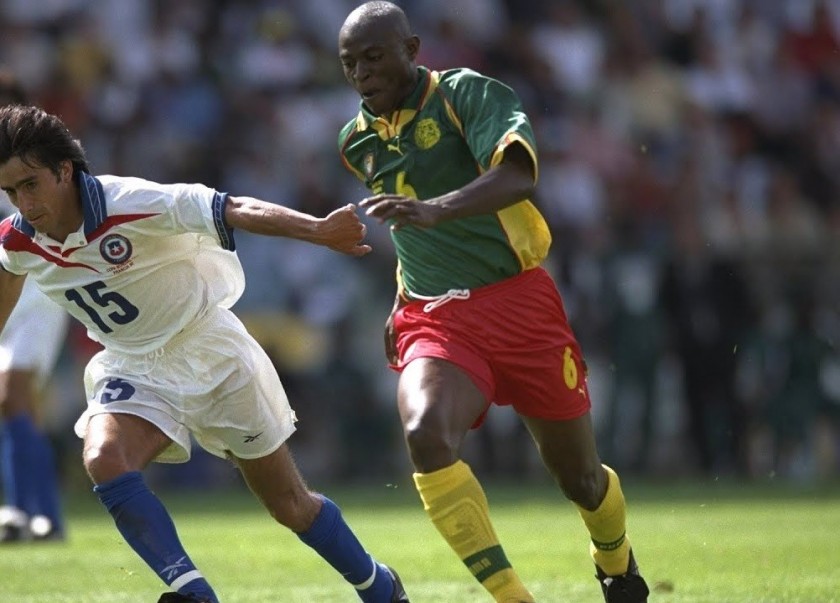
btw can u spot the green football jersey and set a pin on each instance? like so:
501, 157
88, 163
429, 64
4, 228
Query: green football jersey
454, 126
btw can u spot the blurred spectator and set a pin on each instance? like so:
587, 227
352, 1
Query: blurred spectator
636, 339
572, 45
706, 299
785, 375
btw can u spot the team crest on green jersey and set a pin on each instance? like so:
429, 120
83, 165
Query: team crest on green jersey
426, 134
368, 165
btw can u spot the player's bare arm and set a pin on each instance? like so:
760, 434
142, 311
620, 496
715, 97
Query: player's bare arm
501, 186
10, 288
340, 231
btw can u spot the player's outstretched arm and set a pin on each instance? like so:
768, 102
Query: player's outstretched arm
10, 288
341, 230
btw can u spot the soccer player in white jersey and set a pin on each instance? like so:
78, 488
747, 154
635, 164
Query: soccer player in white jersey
150, 270
32, 507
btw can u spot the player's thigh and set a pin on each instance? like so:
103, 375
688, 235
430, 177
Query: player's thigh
438, 396
439, 402
115, 443
276, 482
241, 408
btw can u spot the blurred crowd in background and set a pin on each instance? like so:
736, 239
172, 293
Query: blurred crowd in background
689, 170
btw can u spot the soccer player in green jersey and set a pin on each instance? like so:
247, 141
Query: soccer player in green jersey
451, 160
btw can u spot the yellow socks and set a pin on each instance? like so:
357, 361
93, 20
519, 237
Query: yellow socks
610, 547
456, 504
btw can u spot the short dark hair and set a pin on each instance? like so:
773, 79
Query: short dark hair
38, 139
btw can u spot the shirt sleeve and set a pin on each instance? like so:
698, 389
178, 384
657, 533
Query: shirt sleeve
491, 115
181, 208
198, 208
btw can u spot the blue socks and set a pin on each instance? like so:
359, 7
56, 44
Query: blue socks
146, 526
30, 481
333, 540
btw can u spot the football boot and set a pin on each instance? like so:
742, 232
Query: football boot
629, 587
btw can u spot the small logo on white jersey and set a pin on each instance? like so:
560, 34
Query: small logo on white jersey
115, 248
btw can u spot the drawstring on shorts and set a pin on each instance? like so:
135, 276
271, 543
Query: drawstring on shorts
438, 300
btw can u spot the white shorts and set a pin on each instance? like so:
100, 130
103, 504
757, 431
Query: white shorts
34, 333
212, 380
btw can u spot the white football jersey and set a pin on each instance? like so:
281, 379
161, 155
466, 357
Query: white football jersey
35, 318
148, 260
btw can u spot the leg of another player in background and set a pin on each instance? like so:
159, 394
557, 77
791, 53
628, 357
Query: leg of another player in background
438, 405
117, 447
318, 522
27, 462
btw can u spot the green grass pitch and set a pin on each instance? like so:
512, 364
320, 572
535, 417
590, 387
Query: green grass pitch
709, 543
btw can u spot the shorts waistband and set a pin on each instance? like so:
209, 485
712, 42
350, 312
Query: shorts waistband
175, 340
435, 301
190, 328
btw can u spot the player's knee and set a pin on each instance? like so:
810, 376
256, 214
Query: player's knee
104, 461
585, 488
430, 447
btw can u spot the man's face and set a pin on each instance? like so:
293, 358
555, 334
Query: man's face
39, 194
379, 64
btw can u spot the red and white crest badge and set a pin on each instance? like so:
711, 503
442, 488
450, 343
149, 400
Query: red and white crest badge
115, 248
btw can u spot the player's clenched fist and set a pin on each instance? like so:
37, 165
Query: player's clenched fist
343, 231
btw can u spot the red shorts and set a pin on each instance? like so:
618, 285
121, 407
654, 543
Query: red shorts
512, 338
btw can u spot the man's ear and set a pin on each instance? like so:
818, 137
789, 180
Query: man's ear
412, 46
65, 173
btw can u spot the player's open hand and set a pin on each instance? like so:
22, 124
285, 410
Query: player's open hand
343, 231
402, 210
